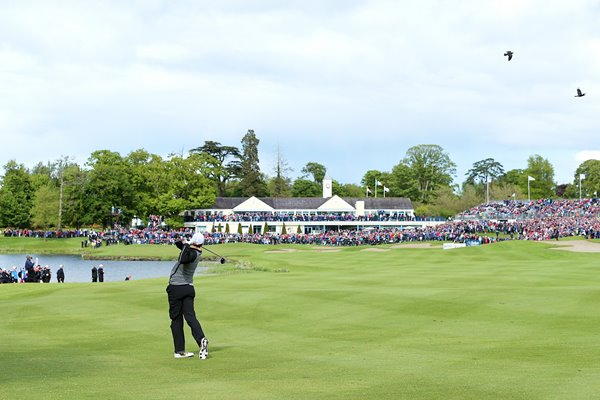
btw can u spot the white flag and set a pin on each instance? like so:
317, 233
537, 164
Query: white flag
378, 183
581, 176
368, 190
386, 189
530, 178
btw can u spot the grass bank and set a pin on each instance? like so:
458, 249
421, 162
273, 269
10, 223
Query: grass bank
505, 321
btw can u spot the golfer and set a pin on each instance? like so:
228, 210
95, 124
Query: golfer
181, 295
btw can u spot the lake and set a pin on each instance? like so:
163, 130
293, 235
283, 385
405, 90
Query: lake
79, 270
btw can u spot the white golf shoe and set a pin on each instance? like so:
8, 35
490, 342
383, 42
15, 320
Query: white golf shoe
203, 349
183, 354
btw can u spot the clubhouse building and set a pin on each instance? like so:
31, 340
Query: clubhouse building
304, 215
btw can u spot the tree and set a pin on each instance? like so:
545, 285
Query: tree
225, 161
189, 186
348, 190
252, 182
505, 191
543, 172
403, 182
484, 171
108, 186
482, 174
280, 184
514, 177
426, 168
74, 195
16, 196
43, 175
369, 178
590, 185
44, 211
315, 171
306, 188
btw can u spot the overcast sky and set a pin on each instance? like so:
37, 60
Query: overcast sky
349, 84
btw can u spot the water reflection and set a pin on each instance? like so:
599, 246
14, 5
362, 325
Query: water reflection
78, 270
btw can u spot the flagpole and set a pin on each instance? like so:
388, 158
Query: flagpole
579, 187
528, 190
375, 188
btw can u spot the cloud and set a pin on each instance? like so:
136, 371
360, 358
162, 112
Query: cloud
350, 84
583, 156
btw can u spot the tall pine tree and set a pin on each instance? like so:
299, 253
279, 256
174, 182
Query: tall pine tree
252, 182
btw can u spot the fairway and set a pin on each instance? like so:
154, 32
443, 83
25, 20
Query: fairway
512, 320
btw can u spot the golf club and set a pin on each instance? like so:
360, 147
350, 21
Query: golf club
222, 260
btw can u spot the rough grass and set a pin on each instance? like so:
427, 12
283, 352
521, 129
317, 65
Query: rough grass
503, 321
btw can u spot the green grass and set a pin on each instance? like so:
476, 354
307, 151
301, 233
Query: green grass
17, 245
505, 321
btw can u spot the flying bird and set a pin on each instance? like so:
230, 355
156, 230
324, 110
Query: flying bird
579, 93
509, 54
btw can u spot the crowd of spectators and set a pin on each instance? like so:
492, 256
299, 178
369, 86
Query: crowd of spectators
305, 217
519, 220
36, 273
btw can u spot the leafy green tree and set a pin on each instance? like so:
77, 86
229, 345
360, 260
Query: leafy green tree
467, 199
74, 195
347, 190
148, 180
252, 182
16, 196
108, 186
515, 177
44, 175
189, 186
483, 174
44, 211
543, 172
505, 191
225, 163
424, 170
369, 179
484, 171
446, 203
315, 171
306, 188
403, 182
590, 185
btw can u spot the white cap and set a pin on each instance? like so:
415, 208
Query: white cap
198, 238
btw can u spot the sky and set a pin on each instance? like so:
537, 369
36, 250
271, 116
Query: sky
350, 84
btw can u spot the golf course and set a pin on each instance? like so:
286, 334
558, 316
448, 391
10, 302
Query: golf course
509, 320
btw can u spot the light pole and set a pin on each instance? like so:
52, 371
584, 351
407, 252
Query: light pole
581, 176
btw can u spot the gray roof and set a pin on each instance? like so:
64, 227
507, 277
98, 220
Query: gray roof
383, 203
312, 203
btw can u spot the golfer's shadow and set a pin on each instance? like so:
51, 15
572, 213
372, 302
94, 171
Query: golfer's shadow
217, 349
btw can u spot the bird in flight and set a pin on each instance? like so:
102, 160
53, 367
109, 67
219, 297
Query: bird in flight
579, 93
509, 54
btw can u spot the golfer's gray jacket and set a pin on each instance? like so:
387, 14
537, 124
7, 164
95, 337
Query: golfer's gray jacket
183, 274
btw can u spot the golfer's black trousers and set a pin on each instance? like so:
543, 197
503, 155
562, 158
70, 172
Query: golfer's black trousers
181, 305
